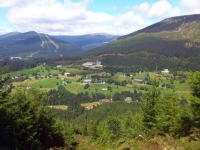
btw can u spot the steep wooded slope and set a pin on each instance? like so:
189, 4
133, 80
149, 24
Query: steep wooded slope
172, 43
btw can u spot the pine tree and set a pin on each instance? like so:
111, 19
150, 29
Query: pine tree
168, 120
25, 121
149, 108
4, 116
195, 99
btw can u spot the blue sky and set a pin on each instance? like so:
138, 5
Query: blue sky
78, 17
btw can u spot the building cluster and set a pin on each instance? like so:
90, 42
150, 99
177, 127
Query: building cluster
95, 64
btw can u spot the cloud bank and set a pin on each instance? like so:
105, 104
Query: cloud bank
74, 18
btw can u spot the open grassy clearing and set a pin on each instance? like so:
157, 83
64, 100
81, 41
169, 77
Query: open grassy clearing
185, 86
93, 88
71, 79
87, 104
118, 74
75, 88
39, 69
63, 107
120, 79
75, 70
26, 71
47, 83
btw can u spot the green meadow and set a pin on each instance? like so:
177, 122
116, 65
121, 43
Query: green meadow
76, 87
87, 104
52, 82
63, 107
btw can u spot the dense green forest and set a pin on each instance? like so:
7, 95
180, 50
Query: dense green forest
156, 120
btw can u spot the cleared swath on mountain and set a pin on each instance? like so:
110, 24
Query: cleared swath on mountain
171, 43
33, 45
88, 41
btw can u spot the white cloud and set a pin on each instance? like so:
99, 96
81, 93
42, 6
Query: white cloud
54, 17
155, 11
190, 7
73, 18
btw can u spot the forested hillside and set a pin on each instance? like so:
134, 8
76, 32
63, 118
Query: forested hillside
173, 43
158, 120
88, 41
32, 45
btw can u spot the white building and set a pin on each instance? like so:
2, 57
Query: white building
88, 64
165, 71
92, 64
66, 73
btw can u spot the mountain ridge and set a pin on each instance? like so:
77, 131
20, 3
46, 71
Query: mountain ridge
168, 24
33, 45
9, 34
88, 40
171, 43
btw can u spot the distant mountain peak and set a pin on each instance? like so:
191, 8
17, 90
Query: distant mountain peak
168, 24
30, 32
33, 45
9, 34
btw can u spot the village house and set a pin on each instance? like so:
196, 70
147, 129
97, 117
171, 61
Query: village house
139, 80
92, 64
104, 74
90, 106
40, 77
16, 77
165, 71
64, 83
88, 64
158, 73
59, 66
105, 101
104, 89
87, 80
101, 81
66, 73
84, 83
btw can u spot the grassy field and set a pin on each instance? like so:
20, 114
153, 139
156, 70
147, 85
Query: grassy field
75, 70
26, 71
76, 87
47, 83
87, 104
63, 107
71, 79
120, 79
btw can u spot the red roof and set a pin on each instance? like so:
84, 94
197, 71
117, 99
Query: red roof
90, 106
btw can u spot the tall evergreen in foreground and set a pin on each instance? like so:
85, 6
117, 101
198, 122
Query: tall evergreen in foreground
195, 99
25, 121
149, 109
